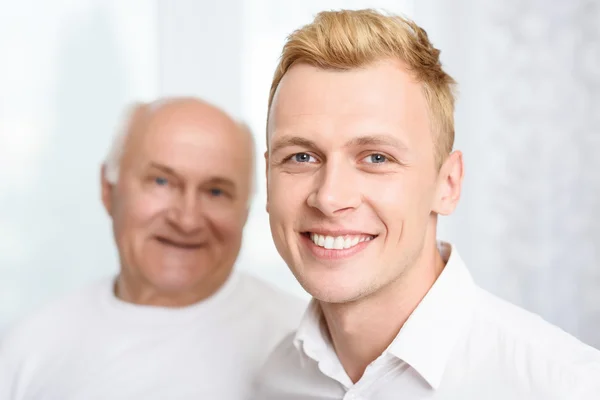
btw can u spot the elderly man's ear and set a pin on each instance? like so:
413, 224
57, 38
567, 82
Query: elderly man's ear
106, 190
267, 178
135, 114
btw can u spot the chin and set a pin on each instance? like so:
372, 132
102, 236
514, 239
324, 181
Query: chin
335, 288
176, 279
173, 284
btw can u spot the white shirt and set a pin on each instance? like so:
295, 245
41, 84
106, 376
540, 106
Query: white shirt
92, 345
460, 343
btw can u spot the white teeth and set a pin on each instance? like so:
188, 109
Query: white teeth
339, 242
347, 242
329, 242
321, 241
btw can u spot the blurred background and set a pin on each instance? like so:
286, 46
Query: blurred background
528, 122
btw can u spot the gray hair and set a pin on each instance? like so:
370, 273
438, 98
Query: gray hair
112, 161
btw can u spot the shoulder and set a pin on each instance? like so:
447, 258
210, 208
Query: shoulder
290, 372
52, 321
544, 354
282, 369
285, 354
271, 300
265, 315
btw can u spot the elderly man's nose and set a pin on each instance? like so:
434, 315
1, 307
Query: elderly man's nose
187, 215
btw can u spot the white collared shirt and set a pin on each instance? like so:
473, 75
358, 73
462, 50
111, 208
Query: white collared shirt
460, 343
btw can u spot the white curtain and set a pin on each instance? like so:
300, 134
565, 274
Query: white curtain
528, 120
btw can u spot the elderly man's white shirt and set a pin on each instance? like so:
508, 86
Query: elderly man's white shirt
460, 343
92, 346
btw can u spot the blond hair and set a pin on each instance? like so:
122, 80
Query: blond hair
347, 39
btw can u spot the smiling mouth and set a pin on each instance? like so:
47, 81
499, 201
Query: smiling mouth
181, 245
338, 242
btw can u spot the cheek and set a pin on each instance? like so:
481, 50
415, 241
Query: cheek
398, 201
287, 201
227, 226
388, 194
141, 209
287, 194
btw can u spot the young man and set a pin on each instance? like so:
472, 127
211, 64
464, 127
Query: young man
360, 163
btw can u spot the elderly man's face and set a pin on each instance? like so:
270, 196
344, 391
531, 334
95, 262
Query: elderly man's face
180, 204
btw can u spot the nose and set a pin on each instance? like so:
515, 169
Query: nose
336, 191
186, 215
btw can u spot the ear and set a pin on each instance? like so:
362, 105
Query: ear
449, 184
107, 190
267, 178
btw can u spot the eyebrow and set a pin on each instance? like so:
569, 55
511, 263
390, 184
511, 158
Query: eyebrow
289, 141
368, 140
377, 140
217, 180
163, 168
214, 180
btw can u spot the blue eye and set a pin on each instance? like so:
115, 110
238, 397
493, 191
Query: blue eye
376, 158
216, 192
161, 181
302, 157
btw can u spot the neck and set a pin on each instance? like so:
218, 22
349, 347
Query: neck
137, 291
361, 330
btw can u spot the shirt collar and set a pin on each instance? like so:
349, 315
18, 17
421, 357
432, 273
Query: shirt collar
312, 339
427, 338
310, 326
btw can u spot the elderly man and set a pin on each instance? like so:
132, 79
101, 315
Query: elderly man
360, 165
177, 322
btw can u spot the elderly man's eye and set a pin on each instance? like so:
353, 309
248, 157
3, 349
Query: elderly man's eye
216, 192
161, 181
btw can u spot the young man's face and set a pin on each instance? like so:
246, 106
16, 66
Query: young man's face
353, 185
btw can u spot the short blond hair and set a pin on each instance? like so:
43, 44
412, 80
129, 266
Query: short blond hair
347, 39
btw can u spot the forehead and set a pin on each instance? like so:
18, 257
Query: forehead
192, 146
380, 97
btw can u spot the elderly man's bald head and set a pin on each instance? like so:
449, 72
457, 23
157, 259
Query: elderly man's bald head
175, 111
